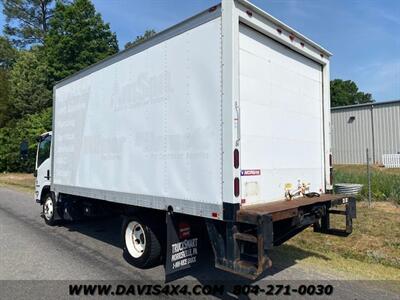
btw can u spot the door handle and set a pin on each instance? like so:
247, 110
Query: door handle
238, 131
48, 175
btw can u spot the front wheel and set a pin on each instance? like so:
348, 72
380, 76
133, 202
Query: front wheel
49, 209
142, 248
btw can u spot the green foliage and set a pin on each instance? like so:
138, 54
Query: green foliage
11, 136
77, 38
345, 92
385, 183
29, 92
27, 21
8, 55
140, 38
4, 96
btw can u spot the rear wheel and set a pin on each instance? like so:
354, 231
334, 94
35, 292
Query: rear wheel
142, 248
49, 209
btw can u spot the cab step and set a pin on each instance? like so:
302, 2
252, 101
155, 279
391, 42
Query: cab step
245, 237
232, 254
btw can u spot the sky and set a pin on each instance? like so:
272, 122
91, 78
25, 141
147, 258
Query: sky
363, 35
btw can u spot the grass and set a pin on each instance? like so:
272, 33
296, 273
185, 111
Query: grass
372, 251
21, 181
385, 183
334, 265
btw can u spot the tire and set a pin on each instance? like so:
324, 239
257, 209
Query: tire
49, 208
142, 247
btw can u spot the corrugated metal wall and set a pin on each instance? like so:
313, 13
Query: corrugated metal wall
356, 128
387, 129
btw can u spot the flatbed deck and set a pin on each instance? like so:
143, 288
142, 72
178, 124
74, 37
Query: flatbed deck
271, 224
284, 209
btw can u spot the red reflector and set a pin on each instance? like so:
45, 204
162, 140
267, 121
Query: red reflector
236, 158
214, 8
236, 187
243, 201
291, 37
322, 56
214, 214
184, 230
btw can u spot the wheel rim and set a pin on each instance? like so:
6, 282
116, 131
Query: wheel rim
48, 208
135, 239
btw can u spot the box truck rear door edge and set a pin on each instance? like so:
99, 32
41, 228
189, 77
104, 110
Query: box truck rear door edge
281, 104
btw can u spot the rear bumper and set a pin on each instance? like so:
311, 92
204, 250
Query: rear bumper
291, 217
257, 228
284, 209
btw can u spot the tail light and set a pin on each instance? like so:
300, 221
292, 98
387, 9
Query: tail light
236, 158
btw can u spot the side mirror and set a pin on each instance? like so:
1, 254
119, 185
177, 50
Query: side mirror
24, 149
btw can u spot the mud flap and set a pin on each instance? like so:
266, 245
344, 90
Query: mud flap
182, 247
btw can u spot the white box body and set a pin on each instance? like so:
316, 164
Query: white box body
156, 125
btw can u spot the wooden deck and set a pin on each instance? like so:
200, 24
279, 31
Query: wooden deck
282, 209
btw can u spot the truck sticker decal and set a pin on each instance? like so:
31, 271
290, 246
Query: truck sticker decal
256, 172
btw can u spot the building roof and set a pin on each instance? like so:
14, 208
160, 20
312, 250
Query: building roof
366, 104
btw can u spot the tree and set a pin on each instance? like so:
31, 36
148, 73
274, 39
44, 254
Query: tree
140, 38
8, 55
345, 92
77, 38
27, 21
29, 92
4, 96
28, 128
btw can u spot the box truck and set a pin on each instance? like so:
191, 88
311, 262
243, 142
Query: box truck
220, 122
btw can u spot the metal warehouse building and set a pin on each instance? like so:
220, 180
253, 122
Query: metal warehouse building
355, 128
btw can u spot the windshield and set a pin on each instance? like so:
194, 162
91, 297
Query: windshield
43, 150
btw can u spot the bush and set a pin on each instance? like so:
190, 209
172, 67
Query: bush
28, 128
385, 183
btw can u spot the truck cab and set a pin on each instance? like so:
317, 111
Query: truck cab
43, 168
